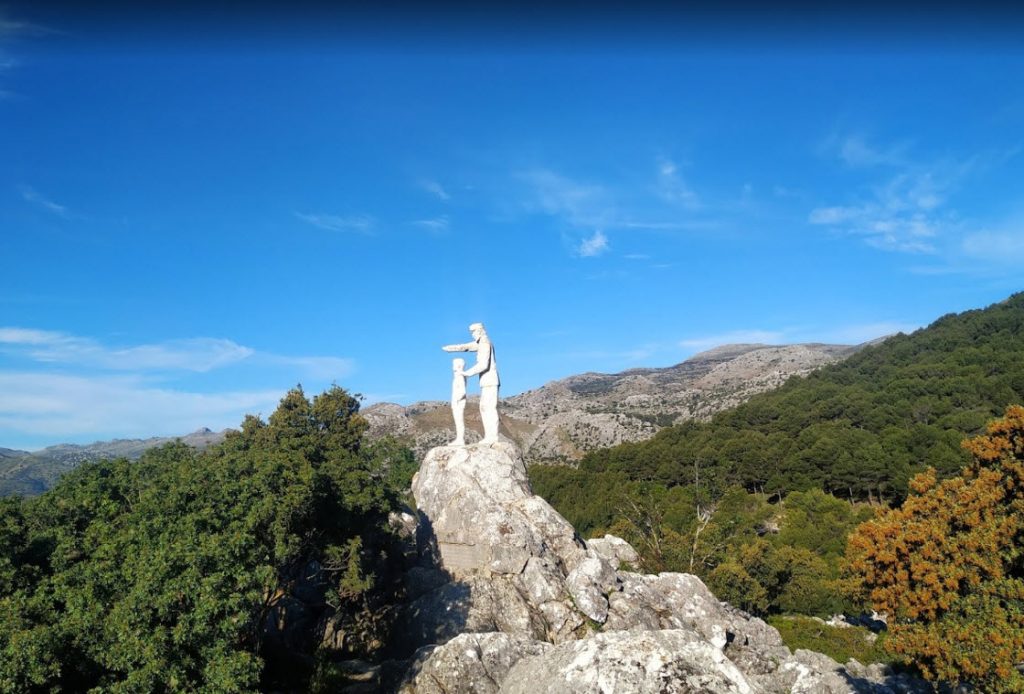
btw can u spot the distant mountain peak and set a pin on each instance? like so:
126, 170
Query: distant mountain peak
563, 419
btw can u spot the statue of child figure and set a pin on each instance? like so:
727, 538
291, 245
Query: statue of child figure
459, 401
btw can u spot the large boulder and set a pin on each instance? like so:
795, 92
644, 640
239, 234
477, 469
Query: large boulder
484, 516
472, 663
659, 662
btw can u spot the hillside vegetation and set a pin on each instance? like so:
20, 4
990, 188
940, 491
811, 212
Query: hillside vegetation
860, 428
759, 501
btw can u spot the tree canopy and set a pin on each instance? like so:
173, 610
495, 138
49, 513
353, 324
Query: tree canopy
948, 566
163, 574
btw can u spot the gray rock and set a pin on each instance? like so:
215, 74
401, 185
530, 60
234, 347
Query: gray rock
403, 523
478, 502
668, 661
682, 601
807, 672
473, 663
589, 583
614, 549
542, 580
474, 604
563, 621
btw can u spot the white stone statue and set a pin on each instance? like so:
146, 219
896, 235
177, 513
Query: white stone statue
459, 401
487, 368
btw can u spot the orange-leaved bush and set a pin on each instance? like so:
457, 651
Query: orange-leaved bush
948, 566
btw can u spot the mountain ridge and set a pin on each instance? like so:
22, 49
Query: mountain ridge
33, 472
564, 419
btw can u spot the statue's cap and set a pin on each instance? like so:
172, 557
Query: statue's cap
476, 326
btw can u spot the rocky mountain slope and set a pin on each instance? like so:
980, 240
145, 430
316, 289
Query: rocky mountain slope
504, 596
27, 473
562, 420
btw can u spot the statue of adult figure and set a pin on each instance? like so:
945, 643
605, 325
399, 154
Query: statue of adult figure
487, 368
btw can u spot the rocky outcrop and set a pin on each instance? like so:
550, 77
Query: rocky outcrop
672, 660
563, 420
472, 663
522, 604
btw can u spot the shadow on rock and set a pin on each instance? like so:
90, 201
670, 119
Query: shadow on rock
437, 605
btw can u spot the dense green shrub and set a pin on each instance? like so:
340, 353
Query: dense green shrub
839, 643
160, 574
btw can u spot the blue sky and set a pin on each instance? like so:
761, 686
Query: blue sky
190, 225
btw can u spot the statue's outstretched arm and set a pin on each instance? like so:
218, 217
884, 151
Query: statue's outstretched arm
483, 362
468, 347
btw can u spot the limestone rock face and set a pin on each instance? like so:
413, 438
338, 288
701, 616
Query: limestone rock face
473, 663
483, 513
507, 598
614, 549
655, 662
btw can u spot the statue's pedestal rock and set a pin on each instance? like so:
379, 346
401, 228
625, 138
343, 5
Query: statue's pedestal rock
483, 514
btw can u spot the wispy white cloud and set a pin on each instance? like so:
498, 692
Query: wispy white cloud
580, 204
589, 205
33, 196
28, 336
67, 407
434, 188
752, 336
907, 211
594, 245
195, 354
13, 28
11, 32
437, 224
199, 354
673, 188
856, 152
360, 224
